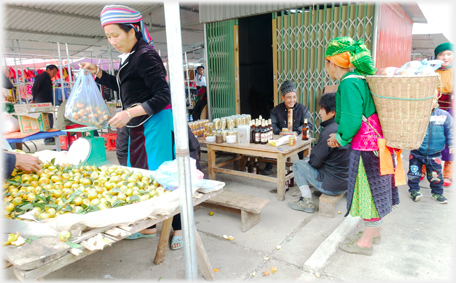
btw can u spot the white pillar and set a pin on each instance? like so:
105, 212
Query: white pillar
174, 46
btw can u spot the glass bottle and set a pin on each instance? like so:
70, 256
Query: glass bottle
256, 167
257, 133
262, 133
305, 130
248, 166
252, 131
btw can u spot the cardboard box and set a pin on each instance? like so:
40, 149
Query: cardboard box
33, 122
33, 107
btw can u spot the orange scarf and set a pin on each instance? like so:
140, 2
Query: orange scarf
342, 60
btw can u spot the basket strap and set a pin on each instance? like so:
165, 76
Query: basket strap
367, 122
399, 98
354, 77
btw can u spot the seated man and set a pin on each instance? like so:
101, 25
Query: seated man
327, 168
279, 115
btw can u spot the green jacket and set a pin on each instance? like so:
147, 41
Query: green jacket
353, 100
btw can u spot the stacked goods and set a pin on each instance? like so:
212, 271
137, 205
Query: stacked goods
228, 126
403, 98
62, 189
198, 127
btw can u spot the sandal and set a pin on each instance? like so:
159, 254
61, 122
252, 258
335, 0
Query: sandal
353, 248
356, 237
138, 235
177, 240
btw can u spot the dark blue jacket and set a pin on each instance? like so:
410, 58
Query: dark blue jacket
439, 132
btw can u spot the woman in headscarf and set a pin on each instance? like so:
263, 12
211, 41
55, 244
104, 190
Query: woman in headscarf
445, 52
369, 194
145, 134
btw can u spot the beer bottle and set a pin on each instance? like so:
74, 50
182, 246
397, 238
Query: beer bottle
256, 167
252, 131
271, 130
248, 165
264, 133
305, 130
257, 133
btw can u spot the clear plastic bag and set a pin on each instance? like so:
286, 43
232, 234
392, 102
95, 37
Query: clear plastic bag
423, 67
85, 105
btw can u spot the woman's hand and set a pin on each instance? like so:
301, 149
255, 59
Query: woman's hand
332, 141
120, 119
27, 162
92, 68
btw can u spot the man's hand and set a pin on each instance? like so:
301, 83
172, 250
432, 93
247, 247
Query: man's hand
27, 162
332, 141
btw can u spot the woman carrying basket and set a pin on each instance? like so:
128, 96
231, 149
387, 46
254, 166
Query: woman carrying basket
145, 125
370, 195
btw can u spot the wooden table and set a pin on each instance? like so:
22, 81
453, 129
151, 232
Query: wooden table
280, 154
47, 254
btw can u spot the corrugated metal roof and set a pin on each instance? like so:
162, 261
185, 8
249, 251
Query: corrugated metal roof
79, 26
426, 43
214, 12
220, 12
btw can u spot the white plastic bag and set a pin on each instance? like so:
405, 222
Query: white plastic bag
86, 105
423, 67
10, 124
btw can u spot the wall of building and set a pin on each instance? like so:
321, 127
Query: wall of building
394, 36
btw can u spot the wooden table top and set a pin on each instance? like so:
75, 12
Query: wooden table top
263, 147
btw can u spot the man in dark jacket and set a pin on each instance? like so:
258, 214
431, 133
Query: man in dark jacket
327, 168
42, 87
279, 115
42, 92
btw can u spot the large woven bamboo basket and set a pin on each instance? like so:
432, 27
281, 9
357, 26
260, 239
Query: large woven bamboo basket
404, 105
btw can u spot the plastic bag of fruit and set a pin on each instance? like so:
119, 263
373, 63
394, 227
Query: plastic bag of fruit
85, 105
423, 67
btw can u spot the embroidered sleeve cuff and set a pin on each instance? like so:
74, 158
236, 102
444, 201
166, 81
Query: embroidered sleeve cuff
340, 141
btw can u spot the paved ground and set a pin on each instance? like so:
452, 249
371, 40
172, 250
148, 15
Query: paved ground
417, 244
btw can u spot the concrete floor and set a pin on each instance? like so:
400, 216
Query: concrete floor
417, 243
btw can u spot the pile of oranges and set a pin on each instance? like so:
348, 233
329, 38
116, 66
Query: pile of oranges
66, 188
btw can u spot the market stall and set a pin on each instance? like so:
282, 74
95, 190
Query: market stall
46, 251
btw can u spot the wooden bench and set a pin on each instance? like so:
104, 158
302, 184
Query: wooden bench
249, 207
328, 205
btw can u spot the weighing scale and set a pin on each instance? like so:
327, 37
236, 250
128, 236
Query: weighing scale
87, 149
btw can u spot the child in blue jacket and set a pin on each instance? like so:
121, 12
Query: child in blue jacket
439, 132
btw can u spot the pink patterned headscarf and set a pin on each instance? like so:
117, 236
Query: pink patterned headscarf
121, 14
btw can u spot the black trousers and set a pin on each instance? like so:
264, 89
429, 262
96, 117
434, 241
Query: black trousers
198, 108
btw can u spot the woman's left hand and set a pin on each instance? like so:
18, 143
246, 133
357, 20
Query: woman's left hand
120, 119
332, 141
